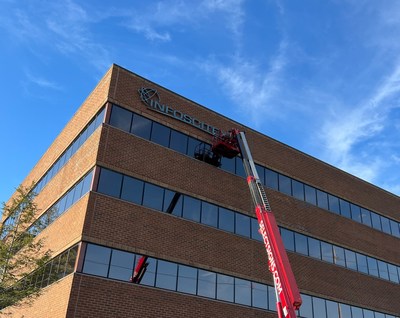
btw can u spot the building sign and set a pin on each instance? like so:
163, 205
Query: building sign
151, 99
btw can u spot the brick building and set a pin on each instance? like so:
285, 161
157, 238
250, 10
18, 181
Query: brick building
105, 186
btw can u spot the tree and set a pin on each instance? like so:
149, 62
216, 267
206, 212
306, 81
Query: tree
20, 252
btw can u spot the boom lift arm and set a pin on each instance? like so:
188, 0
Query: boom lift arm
286, 290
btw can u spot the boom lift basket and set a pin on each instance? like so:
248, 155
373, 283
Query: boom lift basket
226, 145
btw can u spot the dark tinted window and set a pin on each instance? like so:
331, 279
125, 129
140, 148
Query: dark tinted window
376, 221
153, 196
288, 239
298, 190
314, 248
332, 309
110, 183
225, 287
355, 212
121, 118
260, 171
97, 259
356, 312
226, 220
383, 270
319, 307
187, 279
333, 204
206, 283
260, 295
192, 144
394, 226
254, 230
242, 225
338, 256
121, 266
271, 179
166, 275
326, 250
301, 243
160, 134
191, 209
150, 274
242, 292
178, 141
366, 217
362, 263
372, 266
285, 184
209, 214
132, 190
306, 307
345, 311
239, 167
322, 199
228, 164
368, 313
310, 194
141, 126
385, 225
351, 261
170, 204
393, 274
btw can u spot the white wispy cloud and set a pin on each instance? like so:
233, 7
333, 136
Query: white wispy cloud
156, 24
42, 82
63, 25
250, 88
344, 131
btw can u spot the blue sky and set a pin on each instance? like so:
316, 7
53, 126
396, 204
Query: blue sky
320, 76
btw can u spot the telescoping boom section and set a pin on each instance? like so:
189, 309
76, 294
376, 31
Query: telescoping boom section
287, 294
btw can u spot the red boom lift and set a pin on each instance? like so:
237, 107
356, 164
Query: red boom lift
287, 294
288, 298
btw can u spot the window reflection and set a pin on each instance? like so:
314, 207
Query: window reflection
242, 292
242, 225
209, 214
132, 190
260, 295
121, 118
166, 275
153, 196
141, 126
226, 220
97, 259
187, 279
121, 265
206, 284
191, 209
225, 287
285, 184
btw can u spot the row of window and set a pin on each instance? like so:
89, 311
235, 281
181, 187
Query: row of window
60, 266
167, 137
143, 193
64, 203
9, 223
340, 256
71, 150
119, 265
66, 155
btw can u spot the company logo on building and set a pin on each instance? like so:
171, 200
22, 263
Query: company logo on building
151, 99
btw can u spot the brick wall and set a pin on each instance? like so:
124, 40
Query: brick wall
52, 303
94, 297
